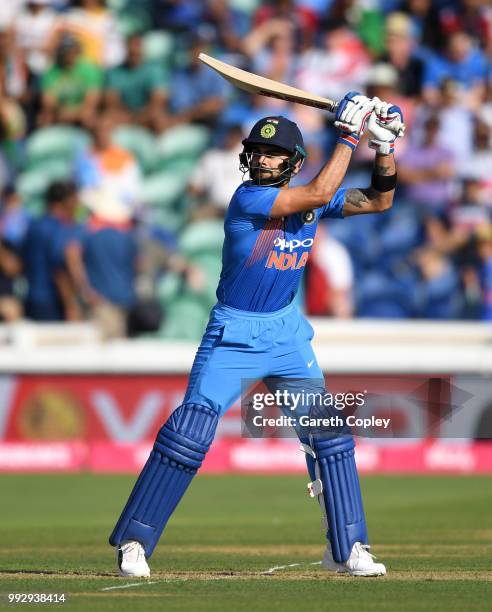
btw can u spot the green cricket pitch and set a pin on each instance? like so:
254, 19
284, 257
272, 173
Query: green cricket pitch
248, 543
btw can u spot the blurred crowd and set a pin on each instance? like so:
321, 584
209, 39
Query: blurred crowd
119, 154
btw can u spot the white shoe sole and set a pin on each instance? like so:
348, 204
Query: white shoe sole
339, 568
133, 575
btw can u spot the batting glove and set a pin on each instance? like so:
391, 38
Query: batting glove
352, 114
385, 125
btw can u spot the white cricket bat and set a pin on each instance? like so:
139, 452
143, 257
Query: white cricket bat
266, 87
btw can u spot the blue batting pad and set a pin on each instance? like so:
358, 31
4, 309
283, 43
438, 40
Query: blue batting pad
179, 449
340, 495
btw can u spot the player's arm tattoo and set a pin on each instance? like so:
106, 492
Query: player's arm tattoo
357, 200
372, 199
382, 170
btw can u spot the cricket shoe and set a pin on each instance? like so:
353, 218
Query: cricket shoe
360, 562
131, 560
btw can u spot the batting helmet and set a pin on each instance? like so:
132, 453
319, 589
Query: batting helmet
279, 132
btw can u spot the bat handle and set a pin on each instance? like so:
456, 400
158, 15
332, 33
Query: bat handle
334, 107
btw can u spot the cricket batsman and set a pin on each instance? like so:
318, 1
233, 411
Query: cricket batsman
256, 332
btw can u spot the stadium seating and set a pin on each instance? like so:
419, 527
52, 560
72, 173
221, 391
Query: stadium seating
164, 188
203, 237
162, 218
133, 16
55, 142
185, 319
158, 47
183, 141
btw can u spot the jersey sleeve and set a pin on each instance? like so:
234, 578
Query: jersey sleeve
334, 208
256, 201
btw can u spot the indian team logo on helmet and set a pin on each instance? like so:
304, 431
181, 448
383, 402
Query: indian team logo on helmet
268, 130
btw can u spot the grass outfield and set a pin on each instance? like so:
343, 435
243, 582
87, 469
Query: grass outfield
433, 533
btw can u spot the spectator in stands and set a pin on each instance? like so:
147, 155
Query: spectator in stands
183, 17
96, 30
484, 236
479, 163
108, 167
8, 12
10, 269
369, 22
261, 106
51, 295
103, 264
197, 93
71, 88
307, 42
339, 65
136, 91
400, 53
303, 17
382, 82
457, 121
230, 25
456, 237
12, 132
34, 27
217, 175
485, 111
427, 171
460, 62
14, 219
271, 49
13, 225
439, 290
314, 145
427, 22
13, 73
329, 278
158, 255
469, 212
446, 18
4, 168
35, 30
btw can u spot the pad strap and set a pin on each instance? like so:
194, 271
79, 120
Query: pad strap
178, 452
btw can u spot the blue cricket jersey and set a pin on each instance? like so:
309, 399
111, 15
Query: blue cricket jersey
262, 258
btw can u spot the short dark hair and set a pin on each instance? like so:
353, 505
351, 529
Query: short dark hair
59, 191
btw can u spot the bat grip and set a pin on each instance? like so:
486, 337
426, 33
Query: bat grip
334, 107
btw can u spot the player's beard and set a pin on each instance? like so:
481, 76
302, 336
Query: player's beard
266, 176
